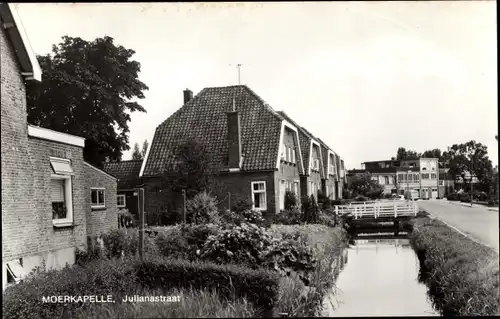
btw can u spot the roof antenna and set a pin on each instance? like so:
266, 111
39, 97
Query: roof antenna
238, 66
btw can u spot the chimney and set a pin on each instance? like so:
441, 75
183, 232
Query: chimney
188, 95
234, 138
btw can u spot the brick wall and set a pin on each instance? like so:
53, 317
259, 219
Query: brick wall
17, 177
100, 220
239, 185
47, 237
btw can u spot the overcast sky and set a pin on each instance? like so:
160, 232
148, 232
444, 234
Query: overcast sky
366, 77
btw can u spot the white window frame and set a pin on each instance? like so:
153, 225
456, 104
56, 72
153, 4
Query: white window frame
435, 176
294, 160
104, 195
124, 200
68, 200
259, 192
296, 185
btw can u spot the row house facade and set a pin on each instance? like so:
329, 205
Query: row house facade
256, 153
53, 202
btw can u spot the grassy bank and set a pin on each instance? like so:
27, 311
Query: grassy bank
295, 298
205, 289
192, 304
462, 275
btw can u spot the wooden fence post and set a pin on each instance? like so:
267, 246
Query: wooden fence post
184, 207
141, 223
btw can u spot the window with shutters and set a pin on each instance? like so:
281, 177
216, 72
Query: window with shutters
97, 198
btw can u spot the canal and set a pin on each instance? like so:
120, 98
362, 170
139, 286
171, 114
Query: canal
378, 277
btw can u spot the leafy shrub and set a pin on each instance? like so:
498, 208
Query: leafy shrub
173, 243
465, 198
242, 205
310, 209
196, 235
361, 198
291, 253
245, 244
253, 216
202, 209
323, 200
126, 218
118, 242
492, 202
231, 217
260, 286
99, 277
290, 199
93, 252
290, 216
453, 197
387, 195
328, 218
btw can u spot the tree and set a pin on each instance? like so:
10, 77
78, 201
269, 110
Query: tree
435, 153
364, 184
86, 90
470, 158
403, 154
136, 155
192, 170
144, 148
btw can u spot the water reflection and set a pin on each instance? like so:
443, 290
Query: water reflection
381, 279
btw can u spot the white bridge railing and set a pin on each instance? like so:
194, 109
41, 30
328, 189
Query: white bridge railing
376, 209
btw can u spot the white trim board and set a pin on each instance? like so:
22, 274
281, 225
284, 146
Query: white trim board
282, 133
47, 134
36, 73
145, 160
314, 142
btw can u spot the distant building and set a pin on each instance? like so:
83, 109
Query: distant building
398, 176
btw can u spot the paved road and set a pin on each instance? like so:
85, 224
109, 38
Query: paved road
477, 222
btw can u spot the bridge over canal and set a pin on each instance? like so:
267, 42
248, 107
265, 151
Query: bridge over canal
375, 213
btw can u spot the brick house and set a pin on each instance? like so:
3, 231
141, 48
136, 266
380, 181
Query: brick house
321, 174
127, 174
46, 196
257, 153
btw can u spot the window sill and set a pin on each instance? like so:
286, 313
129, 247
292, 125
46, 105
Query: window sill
124, 206
63, 223
97, 208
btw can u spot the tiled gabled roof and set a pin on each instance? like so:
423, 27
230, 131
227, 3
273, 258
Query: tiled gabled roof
127, 172
204, 118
